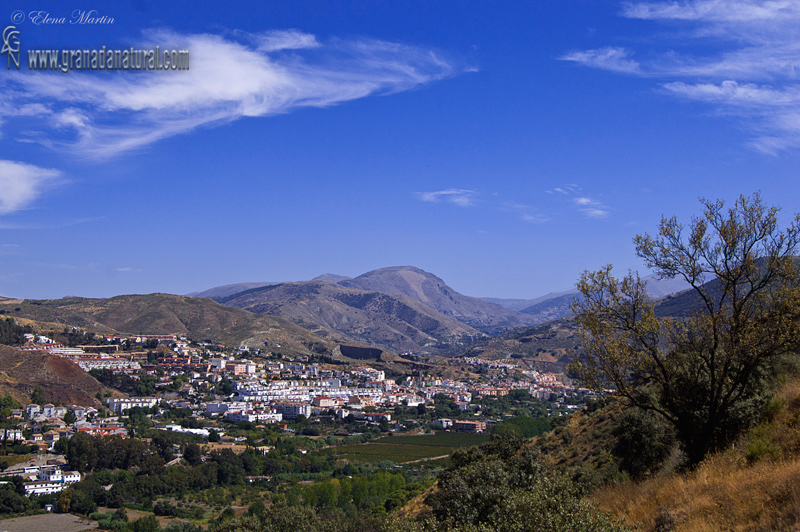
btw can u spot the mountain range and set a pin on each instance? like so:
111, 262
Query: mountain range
389, 321
400, 308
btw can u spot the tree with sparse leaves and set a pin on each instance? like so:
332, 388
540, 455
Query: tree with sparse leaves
708, 373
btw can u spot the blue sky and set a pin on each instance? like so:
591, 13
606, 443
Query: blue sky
505, 147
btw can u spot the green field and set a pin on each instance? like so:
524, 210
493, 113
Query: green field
403, 449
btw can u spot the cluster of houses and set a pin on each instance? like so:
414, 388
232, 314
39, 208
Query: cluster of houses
362, 392
45, 425
270, 391
43, 480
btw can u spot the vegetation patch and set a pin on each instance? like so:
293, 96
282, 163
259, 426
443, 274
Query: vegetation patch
404, 449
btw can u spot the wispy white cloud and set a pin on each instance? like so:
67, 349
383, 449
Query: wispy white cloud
579, 200
10, 249
284, 40
456, 196
609, 58
565, 189
591, 208
21, 184
45, 227
534, 218
714, 10
731, 93
232, 76
526, 213
564, 198
751, 67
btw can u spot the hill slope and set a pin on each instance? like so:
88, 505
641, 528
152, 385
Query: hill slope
198, 318
219, 292
388, 321
432, 291
63, 382
544, 347
749, 486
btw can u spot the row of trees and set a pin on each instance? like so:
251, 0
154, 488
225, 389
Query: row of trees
378, 492
87, 453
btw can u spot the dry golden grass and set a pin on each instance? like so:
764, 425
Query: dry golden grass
237, 449
754, 487
416, 506
724, 493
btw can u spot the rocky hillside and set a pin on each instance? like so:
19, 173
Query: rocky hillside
433, 292
545, 347
383, 320
63, 382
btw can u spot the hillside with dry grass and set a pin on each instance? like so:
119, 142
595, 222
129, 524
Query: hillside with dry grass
198, 318
753, 486
544, 347
62, 382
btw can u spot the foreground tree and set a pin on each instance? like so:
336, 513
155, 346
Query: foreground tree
503, 486
708, 371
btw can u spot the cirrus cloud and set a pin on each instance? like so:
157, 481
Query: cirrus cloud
749, 69
609, 58
230, 77
456, 196
21, 184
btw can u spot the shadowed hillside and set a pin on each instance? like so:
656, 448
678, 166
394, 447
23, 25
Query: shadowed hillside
432, 291
545, 347
392, 322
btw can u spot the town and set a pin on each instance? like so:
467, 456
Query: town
211, 392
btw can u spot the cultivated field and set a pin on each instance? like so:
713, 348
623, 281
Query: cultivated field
404, 449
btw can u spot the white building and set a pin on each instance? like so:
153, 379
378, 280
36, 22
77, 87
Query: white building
292, 410
51, 480
119, 405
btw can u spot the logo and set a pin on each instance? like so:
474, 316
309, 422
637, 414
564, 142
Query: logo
11, 45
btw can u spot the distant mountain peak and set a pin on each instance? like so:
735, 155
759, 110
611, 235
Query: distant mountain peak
431, 290
332, 277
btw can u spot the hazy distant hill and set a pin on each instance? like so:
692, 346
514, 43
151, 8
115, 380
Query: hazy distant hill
552, 309
684, 304
432, 291
198, 318
389, 321
556, 305
224, 291
663, 287
544, 347
332, 277
548, 346
513, 304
